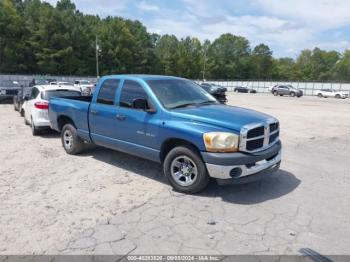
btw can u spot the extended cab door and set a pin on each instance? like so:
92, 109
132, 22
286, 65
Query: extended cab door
137, 129
102, 114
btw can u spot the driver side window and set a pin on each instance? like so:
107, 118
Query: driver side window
131, 90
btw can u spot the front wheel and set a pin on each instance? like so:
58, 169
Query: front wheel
71, 142
292, 94
185, 170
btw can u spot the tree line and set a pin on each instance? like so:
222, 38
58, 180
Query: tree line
38, 38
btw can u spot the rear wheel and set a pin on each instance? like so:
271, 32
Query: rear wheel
185, 170
275, 93
337, 96
71, 142
35, 130
25, 120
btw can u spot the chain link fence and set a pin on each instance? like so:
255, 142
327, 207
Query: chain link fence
309, 88
24, 80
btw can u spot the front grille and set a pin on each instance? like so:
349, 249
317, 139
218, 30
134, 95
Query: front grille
259, 137
273, 137
273, 126
255, 144
259, 131
11, 91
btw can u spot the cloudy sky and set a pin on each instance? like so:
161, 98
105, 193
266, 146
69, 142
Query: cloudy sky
287, 26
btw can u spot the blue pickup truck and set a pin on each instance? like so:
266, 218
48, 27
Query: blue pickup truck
175, 122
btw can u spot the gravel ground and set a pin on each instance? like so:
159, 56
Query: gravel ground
105, 202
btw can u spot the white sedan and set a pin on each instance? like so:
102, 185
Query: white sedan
36, 104
332, 93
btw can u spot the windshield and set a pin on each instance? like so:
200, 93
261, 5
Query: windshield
58, 93
174, 93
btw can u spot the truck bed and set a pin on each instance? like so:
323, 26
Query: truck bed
74, 107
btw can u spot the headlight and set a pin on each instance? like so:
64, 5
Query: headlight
221, 142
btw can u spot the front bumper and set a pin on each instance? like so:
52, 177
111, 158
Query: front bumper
239, 166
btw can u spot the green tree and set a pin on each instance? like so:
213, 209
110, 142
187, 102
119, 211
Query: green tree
261, 62
341, 70
228, 57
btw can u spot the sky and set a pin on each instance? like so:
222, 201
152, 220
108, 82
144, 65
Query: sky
287, 26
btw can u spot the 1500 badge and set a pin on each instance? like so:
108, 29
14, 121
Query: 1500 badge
145, 134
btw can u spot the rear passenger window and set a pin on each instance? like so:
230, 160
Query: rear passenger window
34, 93
107, 91
131, 91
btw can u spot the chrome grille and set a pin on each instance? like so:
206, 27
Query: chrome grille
258, 137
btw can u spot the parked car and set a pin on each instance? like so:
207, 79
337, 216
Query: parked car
244, 89
216, 91
41, 81
36, 105
61, 83
18, 100
332, 93
85, 86
8, 89
289, 90
175, 122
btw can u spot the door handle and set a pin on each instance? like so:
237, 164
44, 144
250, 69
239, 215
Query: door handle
120, 117
94, 112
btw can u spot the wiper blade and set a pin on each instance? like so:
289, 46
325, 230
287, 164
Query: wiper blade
184, 105
207, 102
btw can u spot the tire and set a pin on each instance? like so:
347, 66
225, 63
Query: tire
35, 130
25, 121
21, 113
292, 94
275, 93
320, 95
71, 142
186, 158
337, 96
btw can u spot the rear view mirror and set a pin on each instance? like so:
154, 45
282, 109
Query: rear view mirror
142, 104
139, 103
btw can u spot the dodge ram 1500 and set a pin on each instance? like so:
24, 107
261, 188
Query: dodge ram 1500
175, 122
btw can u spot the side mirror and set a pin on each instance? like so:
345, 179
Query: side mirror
142, 104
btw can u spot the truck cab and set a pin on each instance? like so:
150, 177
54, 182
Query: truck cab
175, 122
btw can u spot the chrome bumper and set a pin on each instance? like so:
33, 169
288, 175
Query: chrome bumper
224, 172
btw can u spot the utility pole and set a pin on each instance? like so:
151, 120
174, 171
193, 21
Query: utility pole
205, 62
97, 51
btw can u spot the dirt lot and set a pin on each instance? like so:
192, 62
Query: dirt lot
105, 202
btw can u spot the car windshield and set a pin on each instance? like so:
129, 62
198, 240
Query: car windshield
46, 95
176, 93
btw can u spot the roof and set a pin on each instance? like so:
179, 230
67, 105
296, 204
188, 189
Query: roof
56, 87
144, 77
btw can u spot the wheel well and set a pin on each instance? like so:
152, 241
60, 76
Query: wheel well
62, 120
171, 143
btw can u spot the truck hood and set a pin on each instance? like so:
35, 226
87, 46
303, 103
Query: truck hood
230, 117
